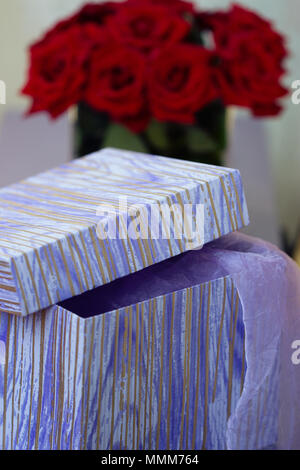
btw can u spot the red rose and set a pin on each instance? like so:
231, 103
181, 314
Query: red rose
239, 21
181, 83
250, 78
250, 57
147, 27
116, 84
57, 72
89, 13
97, 13
179, 6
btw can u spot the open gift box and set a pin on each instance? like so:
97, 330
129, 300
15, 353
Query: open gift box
119, 342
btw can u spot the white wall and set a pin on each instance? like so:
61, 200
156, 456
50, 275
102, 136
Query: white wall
21, 22
284, 132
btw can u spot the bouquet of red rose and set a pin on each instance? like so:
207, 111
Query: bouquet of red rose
157, 74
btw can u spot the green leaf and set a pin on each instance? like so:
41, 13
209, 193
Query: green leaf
156, 132
199, 141
120, 137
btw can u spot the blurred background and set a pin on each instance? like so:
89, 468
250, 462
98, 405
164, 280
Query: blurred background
266, 151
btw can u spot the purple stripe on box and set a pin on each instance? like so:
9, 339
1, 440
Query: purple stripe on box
162, 374
49, 247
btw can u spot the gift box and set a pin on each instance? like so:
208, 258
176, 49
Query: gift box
118, 333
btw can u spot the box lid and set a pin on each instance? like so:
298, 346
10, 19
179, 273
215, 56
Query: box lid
56, 228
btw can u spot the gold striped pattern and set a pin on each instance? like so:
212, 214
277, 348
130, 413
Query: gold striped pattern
50, 220
108, 381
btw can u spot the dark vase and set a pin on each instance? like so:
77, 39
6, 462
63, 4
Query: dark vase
205, 141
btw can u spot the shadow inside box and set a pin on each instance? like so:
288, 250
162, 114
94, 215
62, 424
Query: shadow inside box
183, 271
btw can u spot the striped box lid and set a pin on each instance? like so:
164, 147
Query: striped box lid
52, 226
